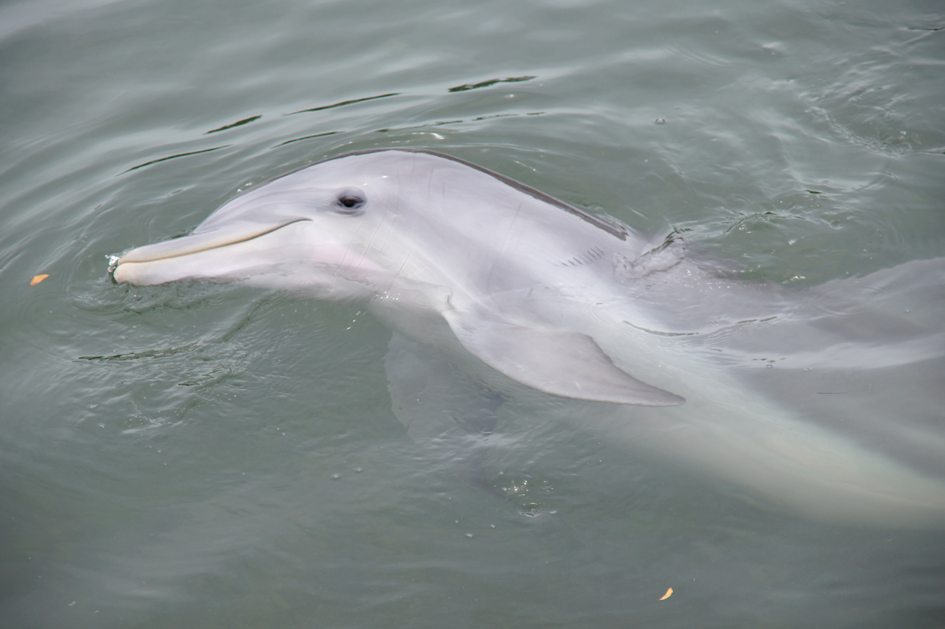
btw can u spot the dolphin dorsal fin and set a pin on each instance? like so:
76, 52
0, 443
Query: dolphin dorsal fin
563, 363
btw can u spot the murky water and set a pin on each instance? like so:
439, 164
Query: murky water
202, 456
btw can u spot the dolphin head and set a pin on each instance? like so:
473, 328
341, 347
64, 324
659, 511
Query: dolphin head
322, 228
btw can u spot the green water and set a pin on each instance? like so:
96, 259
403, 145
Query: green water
221, 457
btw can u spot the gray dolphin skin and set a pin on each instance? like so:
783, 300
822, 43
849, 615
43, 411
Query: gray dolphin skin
497, 291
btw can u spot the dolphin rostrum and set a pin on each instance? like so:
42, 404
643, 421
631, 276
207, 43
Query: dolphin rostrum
525, 295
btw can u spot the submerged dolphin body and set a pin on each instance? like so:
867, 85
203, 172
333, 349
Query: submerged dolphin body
531, 296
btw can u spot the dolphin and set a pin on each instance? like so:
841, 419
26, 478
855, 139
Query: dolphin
495, 290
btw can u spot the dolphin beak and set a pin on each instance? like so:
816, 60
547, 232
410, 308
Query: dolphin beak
226, 253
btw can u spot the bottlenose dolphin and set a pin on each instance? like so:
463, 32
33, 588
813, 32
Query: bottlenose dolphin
494, 289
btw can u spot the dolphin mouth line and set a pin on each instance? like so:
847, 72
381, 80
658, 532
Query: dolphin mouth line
191, 244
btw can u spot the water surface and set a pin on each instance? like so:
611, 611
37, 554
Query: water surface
207, 456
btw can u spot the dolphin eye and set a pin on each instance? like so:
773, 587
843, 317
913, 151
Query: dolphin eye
350, 202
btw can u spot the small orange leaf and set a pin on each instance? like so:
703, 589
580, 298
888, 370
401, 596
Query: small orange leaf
669, 593
38, 278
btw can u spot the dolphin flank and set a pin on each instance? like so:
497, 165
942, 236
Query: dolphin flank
494, 289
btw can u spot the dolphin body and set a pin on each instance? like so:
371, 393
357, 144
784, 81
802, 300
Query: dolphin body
496, 290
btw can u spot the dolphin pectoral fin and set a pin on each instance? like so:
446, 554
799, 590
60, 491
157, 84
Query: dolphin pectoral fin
562, 363
444, 410
431, 397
